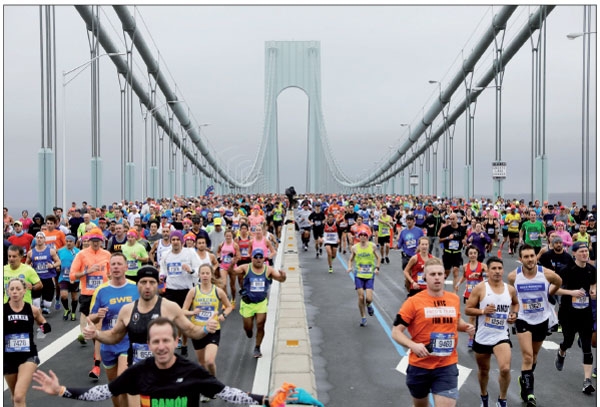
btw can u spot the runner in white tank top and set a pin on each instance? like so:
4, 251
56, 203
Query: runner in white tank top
534, 284
495, 305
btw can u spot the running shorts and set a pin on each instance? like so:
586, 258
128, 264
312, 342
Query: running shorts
442, 381
538, 332
249, 310
364, 283
488, 349
207, 340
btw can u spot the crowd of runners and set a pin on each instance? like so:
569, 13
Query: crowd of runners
183, 265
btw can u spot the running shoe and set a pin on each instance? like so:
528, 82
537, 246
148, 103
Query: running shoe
344, 252
95, 373
321, 251
559, 362
559, 329
57, 304
317, 254
45, 311
523, 391
387, 260
184, 350
305, 248
588, 388
470, 345
233, 303
594, 374
363, 322
204, 399
370, 310
484, 400
66, 315
257, 353
531, 401
73, 316
179, 344
330, 270
501, 403
81, 339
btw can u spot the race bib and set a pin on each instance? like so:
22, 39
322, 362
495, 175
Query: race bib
421, 278
442, 344
257, 285
203, 313
365, 269
113, 322
343, 224
496, 321
384, 230
174, 269
65, 272
42, 267
141, 351
411, 244
253, 228
580, 303
533, 305
491, 231
17, 343
317, 223
453, 245
331, 237
226, 260
534, 236
350, 221
244, 252
131, 264
514, 224
593, 238
93, 282
471, 284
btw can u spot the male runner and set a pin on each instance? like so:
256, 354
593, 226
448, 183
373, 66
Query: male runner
454, 237
17, 269
367, 266
534, 284
383, 234
433, 320
513, 220
106, 303
495, 305
317, 221
254, 292
67, 255
533, 231
575, 312
407, 241
331, 239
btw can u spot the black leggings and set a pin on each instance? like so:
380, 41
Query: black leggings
573, 323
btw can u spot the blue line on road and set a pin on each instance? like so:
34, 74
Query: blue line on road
378, 315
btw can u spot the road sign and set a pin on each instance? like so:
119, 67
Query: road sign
414, 179
499, 169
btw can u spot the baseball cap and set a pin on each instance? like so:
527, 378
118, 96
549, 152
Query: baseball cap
218, 221
579, 245
71, 238
18, 222
410, 216
258, 252
148, 271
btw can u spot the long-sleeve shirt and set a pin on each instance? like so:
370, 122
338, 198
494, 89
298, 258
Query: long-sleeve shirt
84, 260
171, 267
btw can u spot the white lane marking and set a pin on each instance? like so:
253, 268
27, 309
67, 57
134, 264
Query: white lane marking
55, 347
463, 371
550, 345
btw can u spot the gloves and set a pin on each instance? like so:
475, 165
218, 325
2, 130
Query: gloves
304, 397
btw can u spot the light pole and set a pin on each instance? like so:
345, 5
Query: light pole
65, 82
585, 103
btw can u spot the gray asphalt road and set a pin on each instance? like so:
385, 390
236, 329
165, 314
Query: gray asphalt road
235, 364
357, 366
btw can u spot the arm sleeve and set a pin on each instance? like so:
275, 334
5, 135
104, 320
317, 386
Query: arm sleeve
96, 393
407, 311
237, 396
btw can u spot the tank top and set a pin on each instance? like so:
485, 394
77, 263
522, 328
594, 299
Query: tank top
491, 329
137, 330
472, 282
41, 261
582, 238
227, 253
256, 285
18, 332
533, 297
417, 273
161, 249
260, 244
244, 245
208, 304
490, 228
365, 261
205, 260
331, 234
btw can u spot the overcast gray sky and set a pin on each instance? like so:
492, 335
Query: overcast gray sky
376, 63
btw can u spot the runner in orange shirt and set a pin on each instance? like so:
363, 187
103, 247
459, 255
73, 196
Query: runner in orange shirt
91, 266
357, 227
433, 320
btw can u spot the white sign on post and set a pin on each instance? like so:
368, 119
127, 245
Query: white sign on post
414, 179
499, 169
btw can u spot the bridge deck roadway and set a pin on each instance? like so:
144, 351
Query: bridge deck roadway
357, 366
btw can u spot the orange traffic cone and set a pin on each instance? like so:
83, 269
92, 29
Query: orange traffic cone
500, 254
